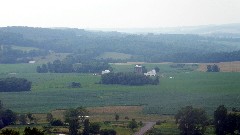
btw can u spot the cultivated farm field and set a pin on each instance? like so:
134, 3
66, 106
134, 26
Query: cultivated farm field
178, 87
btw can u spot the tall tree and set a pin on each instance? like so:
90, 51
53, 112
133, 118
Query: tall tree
22, 119
49, 117
220, 118
132, 124
86, 129
73, 116
116, 117
8, 117
192, 121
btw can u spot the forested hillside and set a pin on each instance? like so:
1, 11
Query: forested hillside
89, 45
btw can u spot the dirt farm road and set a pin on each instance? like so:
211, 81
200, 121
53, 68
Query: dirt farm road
147, 126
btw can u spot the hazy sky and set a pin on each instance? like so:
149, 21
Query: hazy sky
118, 13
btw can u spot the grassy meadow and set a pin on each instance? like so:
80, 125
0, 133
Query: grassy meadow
178, 87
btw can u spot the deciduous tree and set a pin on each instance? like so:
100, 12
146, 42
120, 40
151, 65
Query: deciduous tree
192, 121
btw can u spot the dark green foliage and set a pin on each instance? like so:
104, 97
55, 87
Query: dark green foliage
42, 69
157, 69
133, 124
1, 105
71, 66
22, 118
75, 85
226, 123
9, 55
8, 117
56, 123
86, 129
49, 117
220, 118
144, 69
108, 132
9, 132
73, 126
116, 117
231, 123
154, 131
73, 116
150, 48
14, 84
33, 131
94, 128
128, 79
213, 68
192, 121
30, 117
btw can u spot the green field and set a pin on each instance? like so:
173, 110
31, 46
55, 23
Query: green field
185, 87
114, 55
25, 49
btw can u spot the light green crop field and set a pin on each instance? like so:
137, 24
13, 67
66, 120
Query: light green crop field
114, 55
25, 49
177, 88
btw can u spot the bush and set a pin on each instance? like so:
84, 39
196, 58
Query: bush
56, 123
108, 132
9, 132
75, 85
94, 128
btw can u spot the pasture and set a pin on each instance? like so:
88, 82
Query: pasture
114, 55
178, 87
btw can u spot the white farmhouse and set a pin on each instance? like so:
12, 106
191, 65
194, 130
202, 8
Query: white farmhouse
32, 62
151, 73
105, 72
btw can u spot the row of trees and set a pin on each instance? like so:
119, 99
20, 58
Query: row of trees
128, 79
58, 66
78, 118
193, 121
14, 84
27, 131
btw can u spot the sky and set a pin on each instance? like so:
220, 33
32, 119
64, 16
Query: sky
118, 13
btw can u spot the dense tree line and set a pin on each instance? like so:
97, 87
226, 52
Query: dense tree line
14, 84
9, 55
128, 79
88, 45
58, 66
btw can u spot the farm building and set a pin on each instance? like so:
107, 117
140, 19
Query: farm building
138, 69
105, 72
151, 73
32, 62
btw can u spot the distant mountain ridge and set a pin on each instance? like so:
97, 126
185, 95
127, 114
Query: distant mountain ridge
210, 45
210, 30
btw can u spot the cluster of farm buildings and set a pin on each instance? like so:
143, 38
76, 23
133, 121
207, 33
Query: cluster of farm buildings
137, 69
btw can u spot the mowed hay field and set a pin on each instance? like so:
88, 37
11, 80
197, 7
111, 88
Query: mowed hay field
224, 66
178, 87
